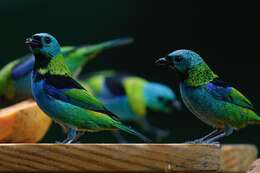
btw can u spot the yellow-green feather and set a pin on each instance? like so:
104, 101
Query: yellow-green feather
239, 99
134, 87
56, 66
6, 81
200, 75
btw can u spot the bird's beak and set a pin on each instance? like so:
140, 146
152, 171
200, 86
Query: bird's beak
177, 105
162, 61
33, 43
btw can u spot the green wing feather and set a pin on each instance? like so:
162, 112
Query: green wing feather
82, 98
239, 99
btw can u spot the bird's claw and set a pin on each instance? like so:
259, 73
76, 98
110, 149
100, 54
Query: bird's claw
68, 141
197, 141
200, 141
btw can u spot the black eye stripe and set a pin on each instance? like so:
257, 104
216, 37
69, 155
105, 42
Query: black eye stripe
160, 98
165, 101
47, 40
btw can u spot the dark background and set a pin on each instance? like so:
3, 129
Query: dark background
225, 34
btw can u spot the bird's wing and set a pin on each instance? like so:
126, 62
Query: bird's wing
66, 89
222, 91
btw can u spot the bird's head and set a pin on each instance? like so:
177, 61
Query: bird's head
183, 60
159, 97
43, 43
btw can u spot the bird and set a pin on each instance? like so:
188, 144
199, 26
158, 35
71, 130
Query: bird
15, 84
63, 98
132, 97
214, 101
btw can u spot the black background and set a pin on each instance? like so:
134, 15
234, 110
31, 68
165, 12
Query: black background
226, 34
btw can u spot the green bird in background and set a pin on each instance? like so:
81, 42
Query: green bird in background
133, 98
212, 100
15, 77
63, 98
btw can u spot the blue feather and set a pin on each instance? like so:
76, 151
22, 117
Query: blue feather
24, 68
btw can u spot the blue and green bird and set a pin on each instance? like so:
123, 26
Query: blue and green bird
131, 97
212, 100
15, 77
63, 98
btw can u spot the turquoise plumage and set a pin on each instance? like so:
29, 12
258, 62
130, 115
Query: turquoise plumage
215, 102
63, 98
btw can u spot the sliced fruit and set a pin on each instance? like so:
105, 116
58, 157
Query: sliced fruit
23, 123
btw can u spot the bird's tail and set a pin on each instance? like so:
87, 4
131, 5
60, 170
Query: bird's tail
116, 43
133, 132
84, 54
97, 48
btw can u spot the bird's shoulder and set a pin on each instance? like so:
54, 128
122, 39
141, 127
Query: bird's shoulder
115, 84
226, 92
125, 85
62, 82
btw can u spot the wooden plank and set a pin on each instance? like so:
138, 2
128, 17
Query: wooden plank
237, 158
109, 158
23, 122
255, 167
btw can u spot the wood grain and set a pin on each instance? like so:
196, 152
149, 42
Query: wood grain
237, 158
23, 122
109, 158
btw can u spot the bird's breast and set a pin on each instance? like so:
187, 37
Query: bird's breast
201, 104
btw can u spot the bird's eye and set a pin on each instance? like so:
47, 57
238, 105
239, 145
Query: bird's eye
47, 40
160, 98
178, 59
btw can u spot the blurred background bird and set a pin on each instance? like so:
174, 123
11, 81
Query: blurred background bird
130, 97
15, 77
212, 100
63, 98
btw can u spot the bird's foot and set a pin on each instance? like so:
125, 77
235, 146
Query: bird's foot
68, 141
197, 141
201, 141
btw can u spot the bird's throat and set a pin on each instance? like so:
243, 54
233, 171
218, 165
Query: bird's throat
41, 61
199, 75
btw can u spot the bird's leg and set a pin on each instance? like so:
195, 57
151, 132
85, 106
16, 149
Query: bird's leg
213, 133
203, 139
119, 137
226, 132
72, 136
